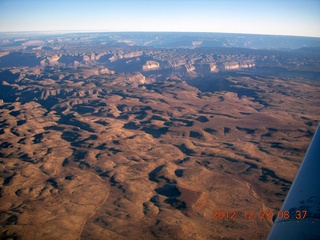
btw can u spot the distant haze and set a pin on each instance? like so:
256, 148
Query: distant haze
276, 17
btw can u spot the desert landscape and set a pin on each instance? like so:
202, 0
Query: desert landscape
119, 136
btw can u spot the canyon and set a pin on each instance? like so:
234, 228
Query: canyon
146, 136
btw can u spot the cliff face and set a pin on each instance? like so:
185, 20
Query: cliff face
54, 59
125, 55
210, 65
176, 63
238, 65
213, 67
95, 71
190, 68
136, 78
105, 71
151, 65
4, 54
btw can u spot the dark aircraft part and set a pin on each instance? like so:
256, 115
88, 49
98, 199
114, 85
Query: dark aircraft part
299, 217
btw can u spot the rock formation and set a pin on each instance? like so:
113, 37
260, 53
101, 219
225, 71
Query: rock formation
151, 65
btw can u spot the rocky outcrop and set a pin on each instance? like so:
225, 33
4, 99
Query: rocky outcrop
4, 54
247, 64
125, 55
33, 42
136, 78
238, 65
151, 65
196, 43
105, 71
231, 65
190, 68
91, 58
177, 63
86, 58
133, 80
213, 67
98, 56
87, 72
47, 93
54, 59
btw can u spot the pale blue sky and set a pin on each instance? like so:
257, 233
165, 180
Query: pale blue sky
279, 17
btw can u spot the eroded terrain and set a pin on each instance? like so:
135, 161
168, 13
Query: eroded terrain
91, 153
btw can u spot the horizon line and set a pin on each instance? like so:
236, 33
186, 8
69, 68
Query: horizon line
134, 31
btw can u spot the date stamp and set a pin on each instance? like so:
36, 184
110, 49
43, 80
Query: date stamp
262, 214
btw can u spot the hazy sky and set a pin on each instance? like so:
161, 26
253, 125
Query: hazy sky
279, 17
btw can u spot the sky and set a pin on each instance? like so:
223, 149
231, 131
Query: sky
275, 17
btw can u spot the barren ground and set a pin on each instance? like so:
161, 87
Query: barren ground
106, 157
